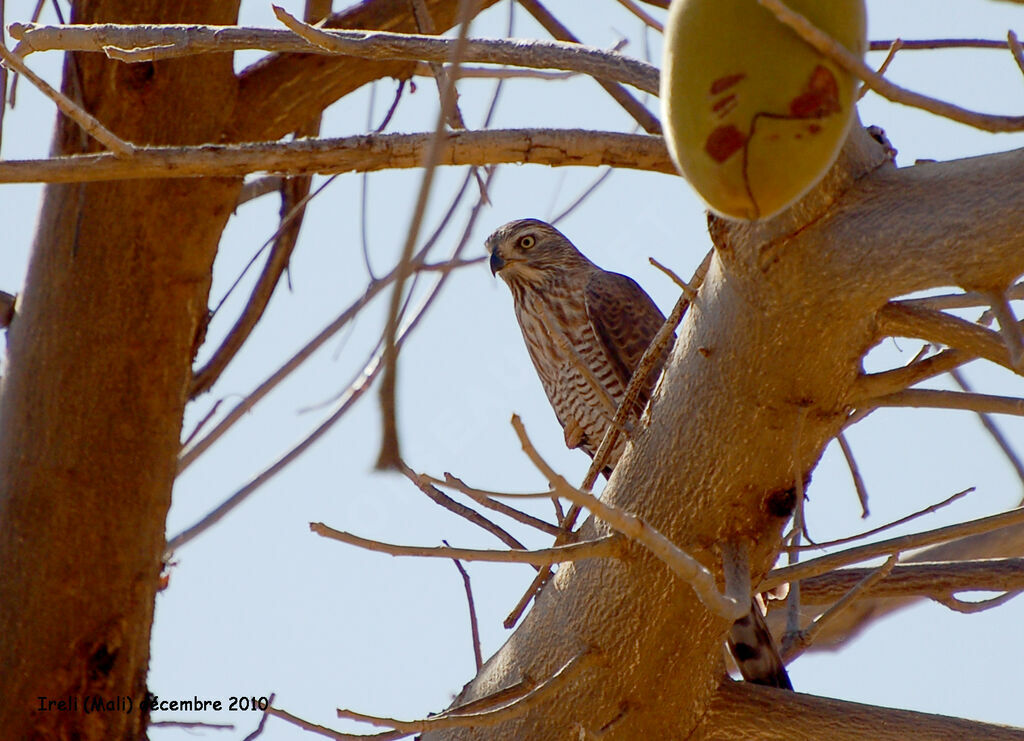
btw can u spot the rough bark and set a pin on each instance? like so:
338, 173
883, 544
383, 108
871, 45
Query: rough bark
91, 409
100, 360
759, 381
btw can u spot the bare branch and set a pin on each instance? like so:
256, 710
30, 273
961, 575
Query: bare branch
802, 639
992, 428
889, 525
742, 710
365, 153
151, 42
474, 626
918, 580
461, 510
1018, 53
643, 15
858, 480
647, 120
487, 499
331, 733
609, 546
849, 61
832, 561
452, 719
936, 399
70, 108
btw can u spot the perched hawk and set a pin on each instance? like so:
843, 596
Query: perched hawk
586, 329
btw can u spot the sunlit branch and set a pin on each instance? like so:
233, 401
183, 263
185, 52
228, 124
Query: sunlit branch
453, 719
366, 153
823, 564
487, 499
151, 42
609, 546
889, 525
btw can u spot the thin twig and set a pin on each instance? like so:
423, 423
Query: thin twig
648, 19
903, 543
690, 294
347, 399
858, 480
541, 693
258, 730
993, 429
828, 46
150, 42
896, 45
805, 637
1015, 49
609, 546
685, 566
330, 732
647, 120
965, 300
89, 123
579, 200
486, 499
474, 626
295, 195
936, 399
889, 525
1009, 328
467, 513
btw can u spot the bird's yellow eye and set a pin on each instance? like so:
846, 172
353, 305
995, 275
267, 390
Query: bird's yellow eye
527, 242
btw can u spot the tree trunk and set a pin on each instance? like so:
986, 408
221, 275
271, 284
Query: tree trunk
761, 378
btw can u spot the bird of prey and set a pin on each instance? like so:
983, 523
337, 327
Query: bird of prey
586, 329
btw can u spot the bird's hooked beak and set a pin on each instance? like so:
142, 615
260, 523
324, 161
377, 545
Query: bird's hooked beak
497, 262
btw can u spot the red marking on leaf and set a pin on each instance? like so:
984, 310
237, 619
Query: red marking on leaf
813, 129
724, 142
724, 83
723, 106
820, 96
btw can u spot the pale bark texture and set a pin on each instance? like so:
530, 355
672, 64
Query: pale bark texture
100, 358
761, 378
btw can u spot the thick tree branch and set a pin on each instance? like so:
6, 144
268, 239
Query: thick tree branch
364, 153
742, 710
917, 580
167, 42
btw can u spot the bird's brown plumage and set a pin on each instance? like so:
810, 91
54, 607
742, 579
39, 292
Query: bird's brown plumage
586, 330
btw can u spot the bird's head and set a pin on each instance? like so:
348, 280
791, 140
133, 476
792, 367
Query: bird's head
531, 251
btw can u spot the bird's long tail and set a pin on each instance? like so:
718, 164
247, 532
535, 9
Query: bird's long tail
754, 649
